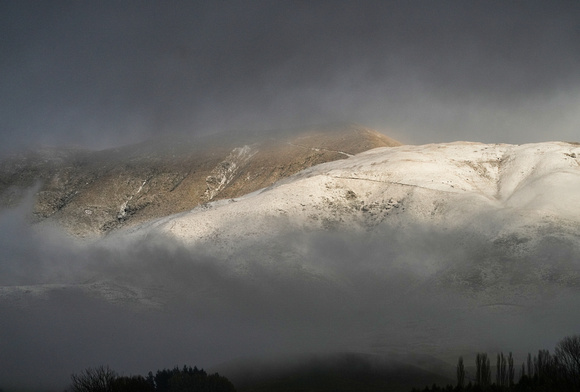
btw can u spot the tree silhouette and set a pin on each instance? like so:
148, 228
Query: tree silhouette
460, 373
511, 370
567, 354
187, 379
543, 372
501, 372
483, 370
132, 384
99, 379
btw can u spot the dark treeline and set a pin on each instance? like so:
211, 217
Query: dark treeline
543, 372
186, 379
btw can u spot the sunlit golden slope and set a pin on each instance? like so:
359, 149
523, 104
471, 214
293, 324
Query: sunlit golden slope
94, 192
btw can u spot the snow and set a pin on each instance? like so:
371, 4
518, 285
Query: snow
452, 185
123, 208
223, 174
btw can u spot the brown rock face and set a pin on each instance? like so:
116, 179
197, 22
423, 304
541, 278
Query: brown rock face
95, 192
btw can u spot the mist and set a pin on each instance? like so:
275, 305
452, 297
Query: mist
106, 74
145, 303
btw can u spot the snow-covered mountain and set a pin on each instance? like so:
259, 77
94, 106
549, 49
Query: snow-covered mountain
437, 249
496, 190
520, 201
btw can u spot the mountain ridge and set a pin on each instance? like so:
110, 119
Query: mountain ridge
490, 174
95, 192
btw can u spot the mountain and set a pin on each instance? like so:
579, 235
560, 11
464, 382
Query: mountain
94, 192
516, 201
497, 222
442, 249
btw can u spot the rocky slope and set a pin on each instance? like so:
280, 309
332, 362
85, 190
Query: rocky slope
94, 192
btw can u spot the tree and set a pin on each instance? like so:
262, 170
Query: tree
103, 379
189, 379
530, 366
483, 370
132, 384
186, 375
544, 367
99, 379
567, 354
217, 383
501, 373
511, 370
460, 373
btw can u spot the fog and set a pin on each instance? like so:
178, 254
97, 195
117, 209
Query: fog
162, 303
102, 74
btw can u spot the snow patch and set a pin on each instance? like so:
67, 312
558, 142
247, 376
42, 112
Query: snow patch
123, 209
226, 170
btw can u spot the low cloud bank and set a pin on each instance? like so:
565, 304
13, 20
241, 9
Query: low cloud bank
386, 291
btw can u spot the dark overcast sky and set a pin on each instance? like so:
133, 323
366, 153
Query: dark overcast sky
99, 74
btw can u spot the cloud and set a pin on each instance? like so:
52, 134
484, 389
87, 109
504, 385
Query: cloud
105, 74
389, 290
